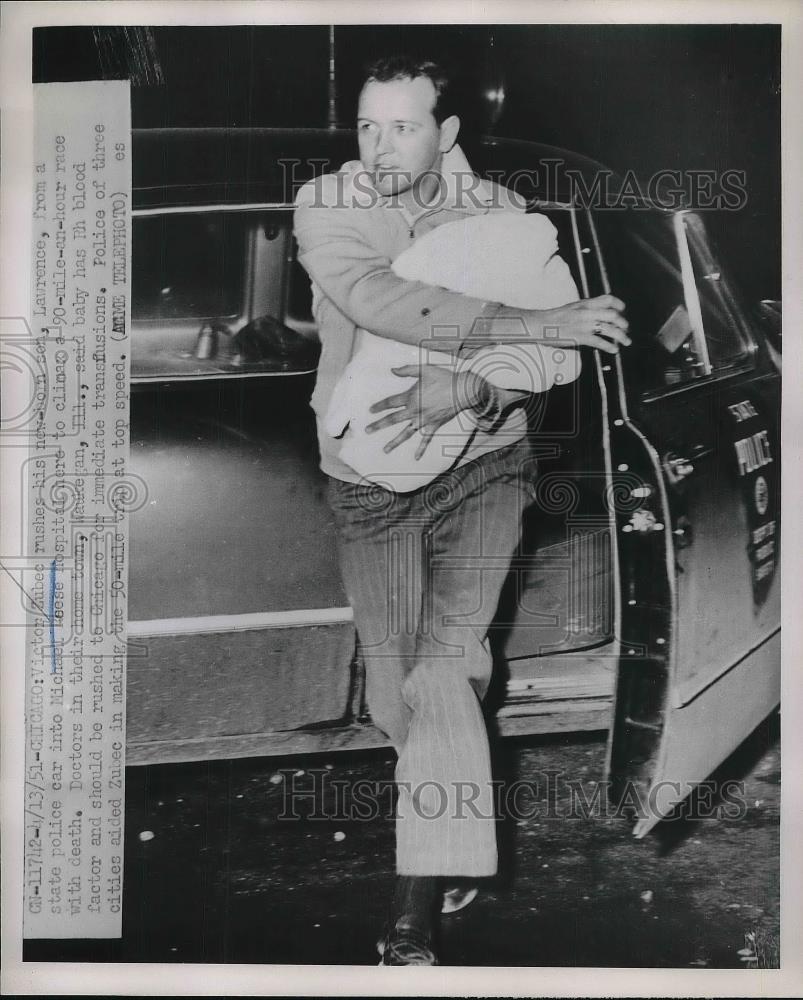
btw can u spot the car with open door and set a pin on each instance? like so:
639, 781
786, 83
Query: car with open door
645, 596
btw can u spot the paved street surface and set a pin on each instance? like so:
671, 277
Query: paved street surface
214, 874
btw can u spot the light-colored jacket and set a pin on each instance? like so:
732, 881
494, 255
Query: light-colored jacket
348, 237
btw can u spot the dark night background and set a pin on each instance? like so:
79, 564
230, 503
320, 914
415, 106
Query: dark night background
636, 97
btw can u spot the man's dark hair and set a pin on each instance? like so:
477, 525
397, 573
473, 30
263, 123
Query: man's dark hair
403, 66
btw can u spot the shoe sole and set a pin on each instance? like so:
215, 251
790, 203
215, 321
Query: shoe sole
380, 947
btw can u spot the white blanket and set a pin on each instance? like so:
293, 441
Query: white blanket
499, 257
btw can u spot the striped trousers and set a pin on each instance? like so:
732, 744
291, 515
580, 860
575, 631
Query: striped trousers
423, 572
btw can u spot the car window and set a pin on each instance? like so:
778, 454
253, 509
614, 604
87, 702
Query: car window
684, 323
189, 266
212, 294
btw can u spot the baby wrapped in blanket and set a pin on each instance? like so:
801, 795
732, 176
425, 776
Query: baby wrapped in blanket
499, 257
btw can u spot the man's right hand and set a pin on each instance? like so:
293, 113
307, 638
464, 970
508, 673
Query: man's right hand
597, 322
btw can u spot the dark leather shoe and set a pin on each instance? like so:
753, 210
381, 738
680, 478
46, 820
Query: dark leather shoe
406, 946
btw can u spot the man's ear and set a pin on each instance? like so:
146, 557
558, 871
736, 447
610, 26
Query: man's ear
449, 128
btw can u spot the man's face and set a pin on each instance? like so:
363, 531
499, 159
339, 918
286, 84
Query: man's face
398, 136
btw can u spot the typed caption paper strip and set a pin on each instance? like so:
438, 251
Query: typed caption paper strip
79, 495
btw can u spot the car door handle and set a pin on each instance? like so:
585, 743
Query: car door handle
684, 535
678, 467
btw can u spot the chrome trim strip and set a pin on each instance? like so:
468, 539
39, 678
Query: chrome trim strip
684, 698
201, 377
206, 624
195, 209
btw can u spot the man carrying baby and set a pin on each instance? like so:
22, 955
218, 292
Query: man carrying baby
423, 569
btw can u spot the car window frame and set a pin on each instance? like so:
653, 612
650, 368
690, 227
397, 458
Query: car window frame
743, 365
251, 296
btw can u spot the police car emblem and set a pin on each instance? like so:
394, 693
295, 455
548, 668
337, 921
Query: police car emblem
761, 495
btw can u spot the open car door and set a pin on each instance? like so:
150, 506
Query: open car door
692, 428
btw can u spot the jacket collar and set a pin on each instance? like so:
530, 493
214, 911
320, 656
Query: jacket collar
463, 191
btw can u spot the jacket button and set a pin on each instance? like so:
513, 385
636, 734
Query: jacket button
425, 311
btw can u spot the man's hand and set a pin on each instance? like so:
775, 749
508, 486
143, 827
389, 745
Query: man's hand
438, 395
597, 322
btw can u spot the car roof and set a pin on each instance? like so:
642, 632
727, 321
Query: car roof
175, 167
